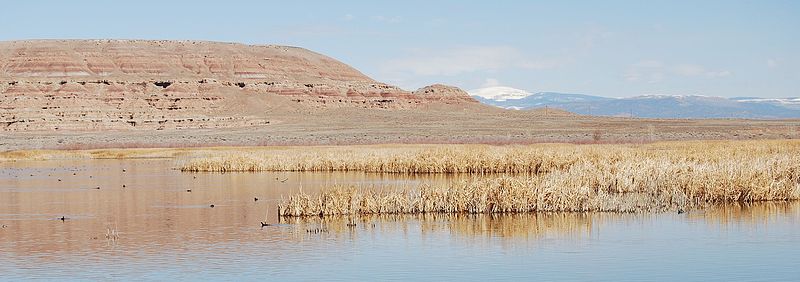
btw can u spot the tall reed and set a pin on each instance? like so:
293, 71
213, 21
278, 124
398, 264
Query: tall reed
626, 185
533, 159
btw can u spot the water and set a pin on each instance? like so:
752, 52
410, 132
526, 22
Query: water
166, 233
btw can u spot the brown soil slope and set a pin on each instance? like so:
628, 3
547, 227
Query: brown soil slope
78, 85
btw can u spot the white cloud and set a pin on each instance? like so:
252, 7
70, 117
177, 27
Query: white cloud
385, 19
468, 59
689, 70
652, 71
719, 73
698, 71
348, 17
649, 71
490, 82
772, 63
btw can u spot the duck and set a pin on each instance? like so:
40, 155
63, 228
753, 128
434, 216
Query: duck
255, 199
212, 205
63, 218
264, 224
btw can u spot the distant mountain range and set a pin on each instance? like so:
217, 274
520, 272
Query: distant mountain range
650, 106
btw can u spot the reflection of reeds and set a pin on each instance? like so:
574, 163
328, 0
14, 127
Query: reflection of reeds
111, 234
749, 213
627, 185
506, 226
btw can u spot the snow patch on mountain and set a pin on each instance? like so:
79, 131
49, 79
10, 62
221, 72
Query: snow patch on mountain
500, 93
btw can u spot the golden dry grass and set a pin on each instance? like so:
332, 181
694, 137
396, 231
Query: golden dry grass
540, 158
542, 177
606, 178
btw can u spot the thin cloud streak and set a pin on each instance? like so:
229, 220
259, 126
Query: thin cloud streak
468, 59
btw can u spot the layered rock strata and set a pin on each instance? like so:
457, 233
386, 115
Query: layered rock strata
136, 84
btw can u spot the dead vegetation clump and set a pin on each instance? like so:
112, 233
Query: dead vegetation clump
629, 185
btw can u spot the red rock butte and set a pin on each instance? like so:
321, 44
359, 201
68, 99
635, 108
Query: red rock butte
159, 84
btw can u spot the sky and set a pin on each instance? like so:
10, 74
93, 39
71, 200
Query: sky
606, 48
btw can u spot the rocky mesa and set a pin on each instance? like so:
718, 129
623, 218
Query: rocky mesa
77, 85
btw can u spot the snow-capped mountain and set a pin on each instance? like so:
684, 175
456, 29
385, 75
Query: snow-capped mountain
793, 102
651, 106
499, 93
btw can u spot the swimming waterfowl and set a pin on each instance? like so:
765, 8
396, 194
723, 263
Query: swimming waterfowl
255, 199
63, 218
264, 224
212, 205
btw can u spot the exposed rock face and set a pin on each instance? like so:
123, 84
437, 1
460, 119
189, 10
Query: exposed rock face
445, 94
138, 84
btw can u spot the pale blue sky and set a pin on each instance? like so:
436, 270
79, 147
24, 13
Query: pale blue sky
607, 48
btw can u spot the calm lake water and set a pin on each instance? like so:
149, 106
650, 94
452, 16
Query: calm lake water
165, 232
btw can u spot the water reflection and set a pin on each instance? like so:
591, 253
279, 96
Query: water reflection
154, 222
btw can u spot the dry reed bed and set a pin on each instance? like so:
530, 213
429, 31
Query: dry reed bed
532, 159
656, 183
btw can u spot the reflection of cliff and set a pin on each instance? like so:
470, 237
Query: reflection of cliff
154, 209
